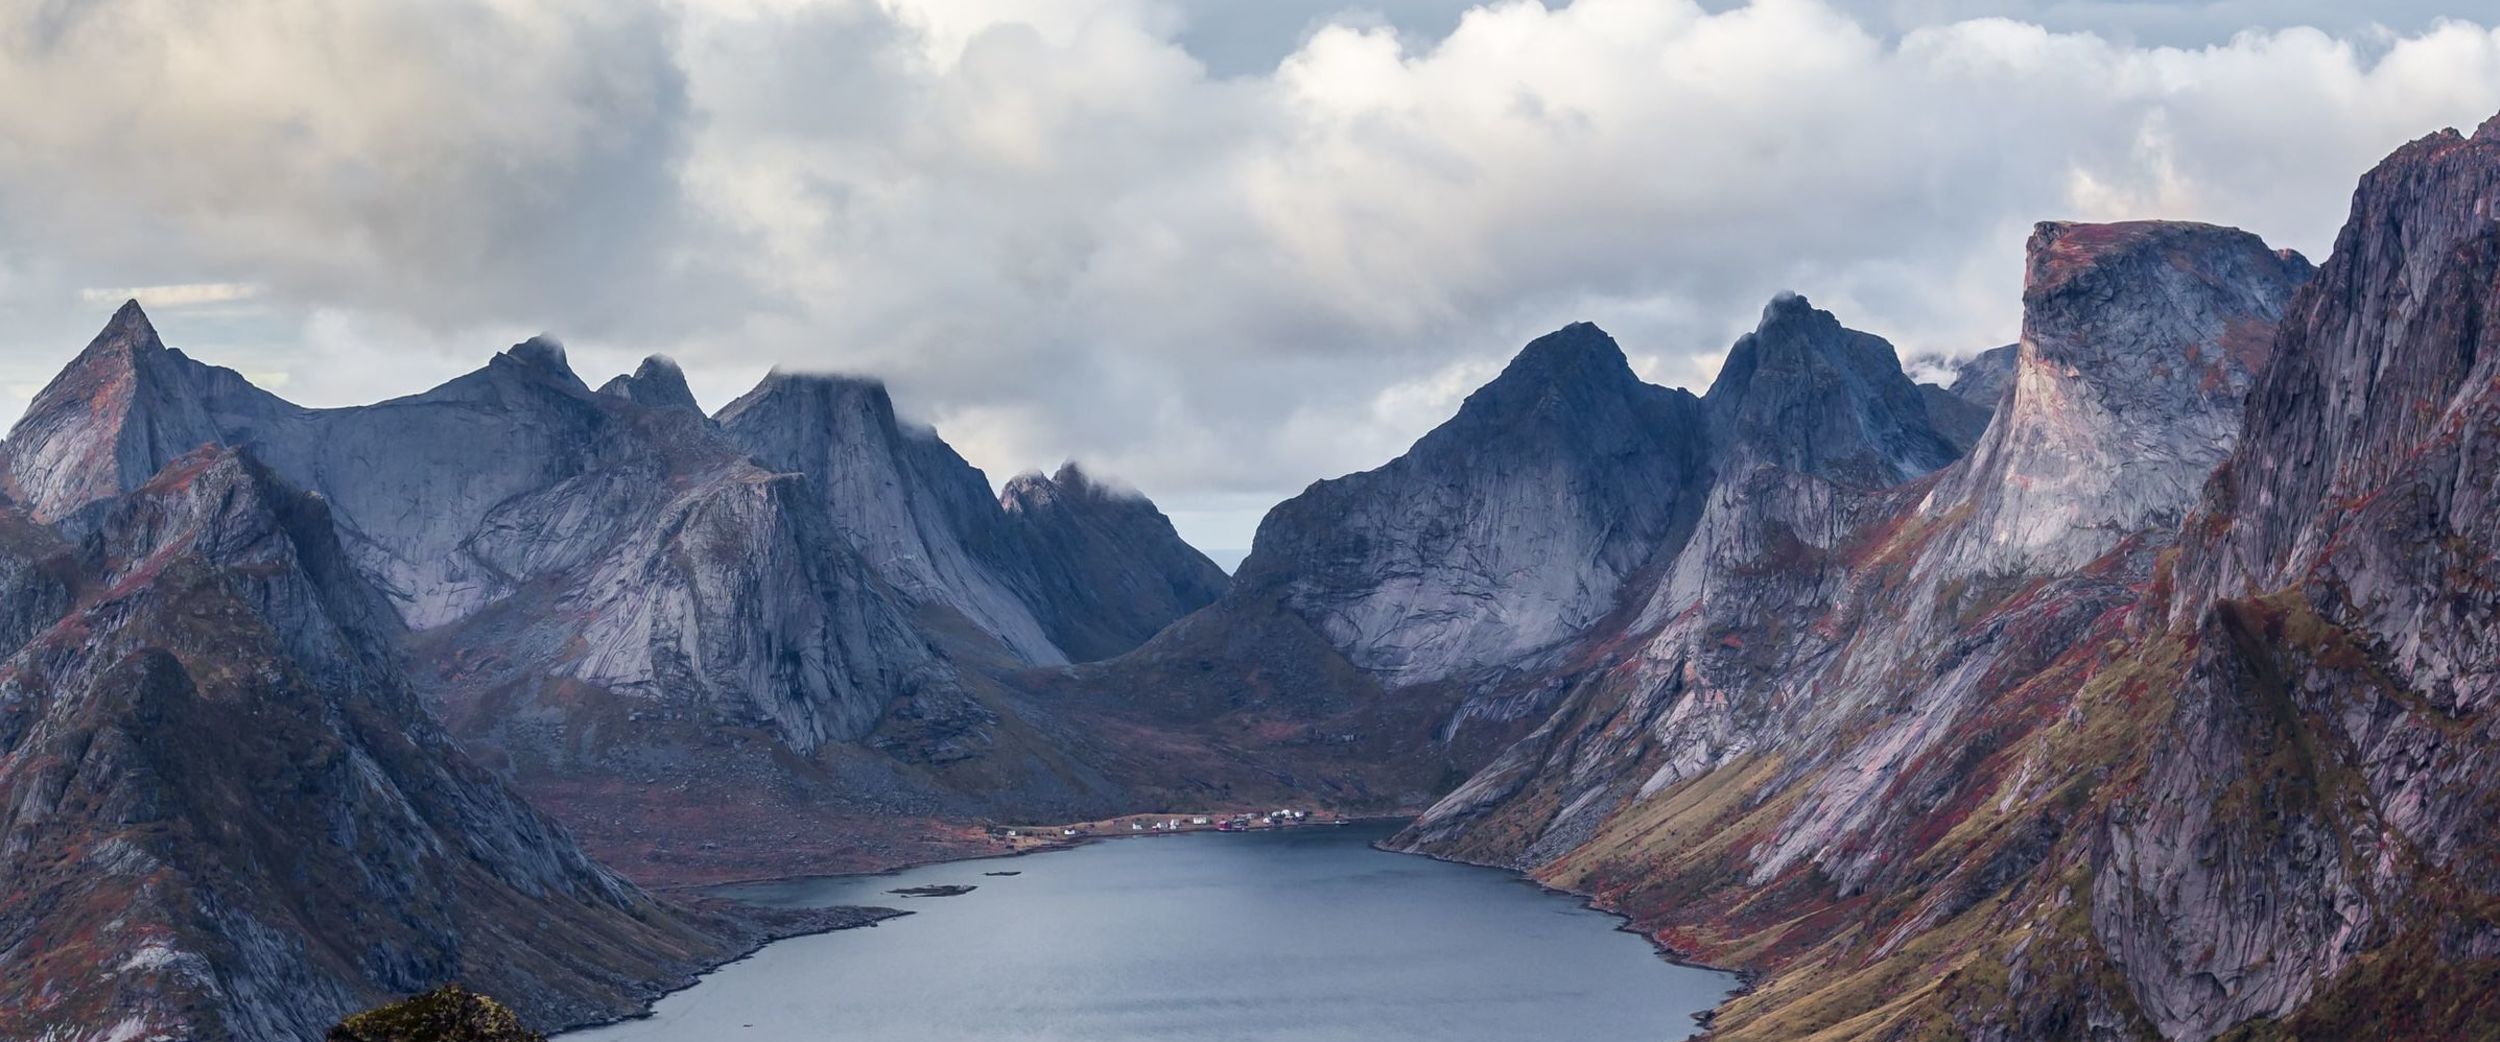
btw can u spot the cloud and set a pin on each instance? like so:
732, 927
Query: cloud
190, 294
1093, 228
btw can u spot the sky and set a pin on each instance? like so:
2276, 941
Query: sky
1218, 249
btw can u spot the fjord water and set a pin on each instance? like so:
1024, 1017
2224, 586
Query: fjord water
1307, 935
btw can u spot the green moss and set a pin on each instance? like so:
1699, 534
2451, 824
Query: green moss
449, 1013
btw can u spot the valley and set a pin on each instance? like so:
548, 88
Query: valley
2141, 681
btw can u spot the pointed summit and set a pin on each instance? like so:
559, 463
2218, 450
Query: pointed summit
657, 382
130, 320
1553, 373
1505, 530
122, 409
1809, 395
542, 354
1109, 568
925, 518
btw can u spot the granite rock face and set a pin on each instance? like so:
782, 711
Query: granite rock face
921, 516
657, 382
225, 815
1503, 532
1804, 394
113, 418
2139, 343
1986, 376
1856, 662
1109, 570
2319, 799
1564, 485
602, 588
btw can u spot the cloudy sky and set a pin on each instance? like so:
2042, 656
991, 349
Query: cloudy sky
1220, 248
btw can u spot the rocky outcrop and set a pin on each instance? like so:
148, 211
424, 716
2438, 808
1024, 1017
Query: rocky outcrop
1806, 395
1059, 569
223, 813
1109, 569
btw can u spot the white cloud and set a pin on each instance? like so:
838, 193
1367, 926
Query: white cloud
189, 294
1060, 233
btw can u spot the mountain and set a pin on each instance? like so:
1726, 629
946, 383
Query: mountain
1110, 571
924, 518
2326, 746
1803, 393
602, 588
118, 414
1396, 629
227, 815
1501, 533
2163, 714
2140, 341
1060, 568
657, 382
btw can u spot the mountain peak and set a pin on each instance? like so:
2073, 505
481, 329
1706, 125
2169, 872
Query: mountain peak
115, 415
1070, 483
2140, 342
1806, 393
130, 320
542, 353
1790, 305
658, 382
1578, 350
821, 394
1552, 382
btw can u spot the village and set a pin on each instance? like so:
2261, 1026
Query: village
1030, 837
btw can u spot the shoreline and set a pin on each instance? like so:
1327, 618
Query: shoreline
1746, 979
862, 917
1048, 845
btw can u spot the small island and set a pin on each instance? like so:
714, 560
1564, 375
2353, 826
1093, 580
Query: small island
944, 890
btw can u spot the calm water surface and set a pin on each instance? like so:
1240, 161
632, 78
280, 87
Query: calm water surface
1303, 934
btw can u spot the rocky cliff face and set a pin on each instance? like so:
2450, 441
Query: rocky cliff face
2064, 742
1109, 570
2312, 836
1062, 568
1806, 395
1504, 531
115, 416
657, 382
651, 558
226, 816
605, 588
2139, 344
923, 517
